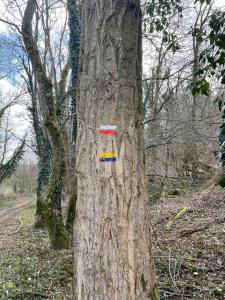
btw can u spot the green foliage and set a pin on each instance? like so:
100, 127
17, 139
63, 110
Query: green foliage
7, 169
198, 33
204, 1
221, 181
161, 10
160, 13
200, 86
212, 60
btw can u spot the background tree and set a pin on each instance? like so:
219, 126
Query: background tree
51, 36
57, 232
8, 162
74, 51
177, 123
211, 62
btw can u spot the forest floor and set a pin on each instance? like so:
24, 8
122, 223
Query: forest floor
28, 268
189, 245
188, 241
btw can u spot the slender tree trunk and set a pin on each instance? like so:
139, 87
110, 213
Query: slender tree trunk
112, 239
39, 215
44, 155
43, 152
74, 48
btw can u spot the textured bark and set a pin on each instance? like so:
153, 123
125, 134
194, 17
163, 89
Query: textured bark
112, 239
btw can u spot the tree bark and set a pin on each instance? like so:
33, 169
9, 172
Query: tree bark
74, 50
112, 239
43, 151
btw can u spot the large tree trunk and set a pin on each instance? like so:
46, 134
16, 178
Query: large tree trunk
112, 242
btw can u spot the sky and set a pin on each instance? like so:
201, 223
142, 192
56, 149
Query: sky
220, 3
19, 123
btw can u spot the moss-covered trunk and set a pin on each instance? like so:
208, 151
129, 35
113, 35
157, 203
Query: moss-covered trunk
39, 216
44, 155
57, 232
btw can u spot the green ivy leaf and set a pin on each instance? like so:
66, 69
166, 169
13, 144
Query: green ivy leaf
205, 88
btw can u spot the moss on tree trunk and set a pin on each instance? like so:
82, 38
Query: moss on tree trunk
39, 216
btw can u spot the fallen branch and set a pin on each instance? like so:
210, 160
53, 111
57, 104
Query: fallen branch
167, 293
18, 230
190, 231
34, 294
178, 215
194, 230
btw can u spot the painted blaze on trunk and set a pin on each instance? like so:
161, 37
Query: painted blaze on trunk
112, 244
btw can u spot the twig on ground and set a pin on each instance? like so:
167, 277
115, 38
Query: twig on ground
173, 276
156, 238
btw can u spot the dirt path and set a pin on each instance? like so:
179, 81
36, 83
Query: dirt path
29, 269
9, 221
8, 215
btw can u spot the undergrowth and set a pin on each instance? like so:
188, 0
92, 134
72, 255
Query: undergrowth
29, 269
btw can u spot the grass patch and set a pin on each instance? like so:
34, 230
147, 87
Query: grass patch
28, 215
6, 188
5, 205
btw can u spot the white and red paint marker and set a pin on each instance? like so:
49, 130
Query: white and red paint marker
108, 130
